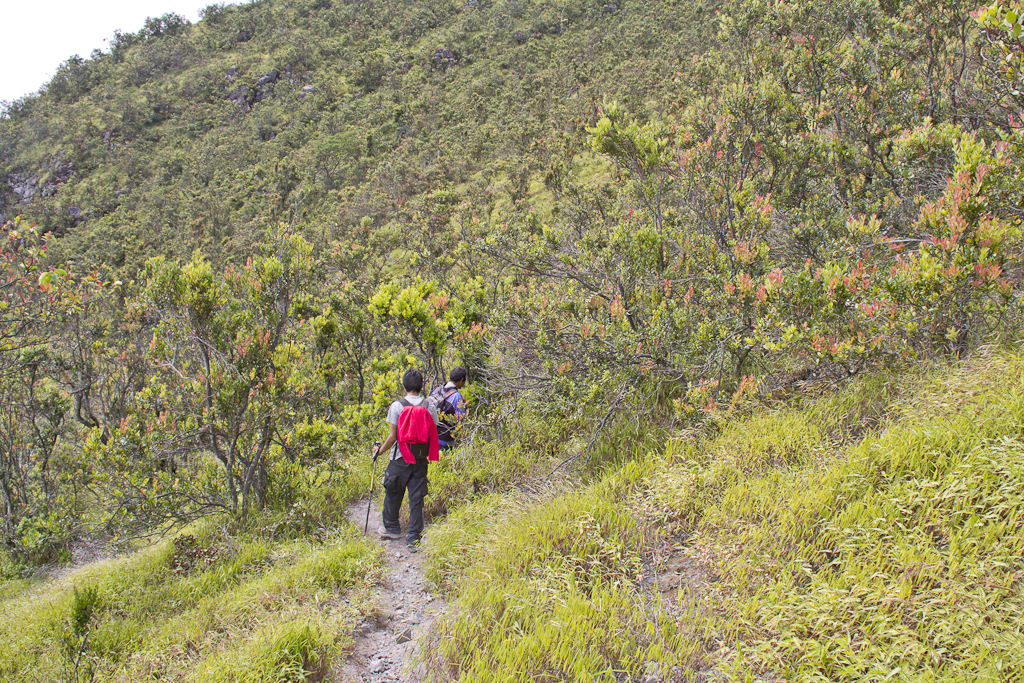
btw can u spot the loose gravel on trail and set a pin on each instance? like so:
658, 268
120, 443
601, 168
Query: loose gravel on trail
386, 647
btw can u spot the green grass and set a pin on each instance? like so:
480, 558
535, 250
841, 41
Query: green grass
864, 535
250, 610
463, 475
547, 589
894, 558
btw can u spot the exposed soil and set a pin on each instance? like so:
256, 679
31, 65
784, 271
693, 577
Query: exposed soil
387, 644
681, 572
84, 551
684, 578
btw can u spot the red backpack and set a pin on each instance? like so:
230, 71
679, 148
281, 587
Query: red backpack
417, 433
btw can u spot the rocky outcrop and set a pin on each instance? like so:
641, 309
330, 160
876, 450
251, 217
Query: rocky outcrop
444, 58
23, 188
27, 186
245, 96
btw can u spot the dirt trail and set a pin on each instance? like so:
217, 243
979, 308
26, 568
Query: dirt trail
386, 646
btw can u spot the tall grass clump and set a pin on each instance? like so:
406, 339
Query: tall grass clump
895, 557
286, 653
551, 588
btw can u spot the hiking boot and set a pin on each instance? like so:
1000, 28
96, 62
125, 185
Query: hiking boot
413, 544
389, 535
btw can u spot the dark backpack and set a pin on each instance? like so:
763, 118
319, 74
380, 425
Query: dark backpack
438, 399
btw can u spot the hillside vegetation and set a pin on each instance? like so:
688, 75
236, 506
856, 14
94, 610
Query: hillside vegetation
738, 287
869, 534
345, 119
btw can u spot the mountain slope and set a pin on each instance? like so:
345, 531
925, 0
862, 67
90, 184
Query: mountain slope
324, 115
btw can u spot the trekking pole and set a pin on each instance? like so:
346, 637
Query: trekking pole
373, 475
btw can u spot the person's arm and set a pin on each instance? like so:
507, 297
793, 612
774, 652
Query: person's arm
390, 441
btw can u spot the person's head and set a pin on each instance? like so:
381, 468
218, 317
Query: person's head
458, 376
412, 380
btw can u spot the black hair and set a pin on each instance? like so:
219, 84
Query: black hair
458, 374
412, 380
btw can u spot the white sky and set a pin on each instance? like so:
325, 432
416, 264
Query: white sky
40, 34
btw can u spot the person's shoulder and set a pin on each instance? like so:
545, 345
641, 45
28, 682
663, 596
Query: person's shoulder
411, 402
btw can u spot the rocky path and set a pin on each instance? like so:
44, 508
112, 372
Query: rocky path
386, 646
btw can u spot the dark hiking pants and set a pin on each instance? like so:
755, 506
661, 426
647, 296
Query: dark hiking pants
398, 477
